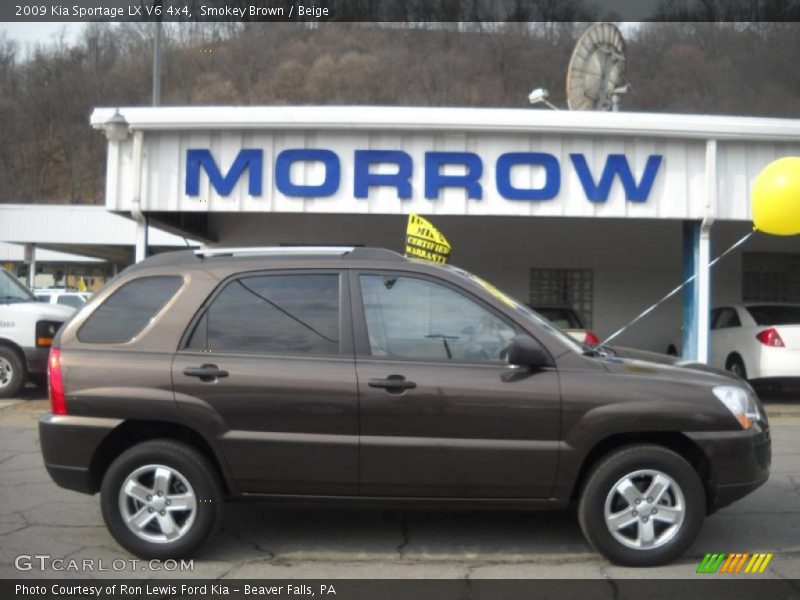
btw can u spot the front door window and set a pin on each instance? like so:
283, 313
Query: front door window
412, 318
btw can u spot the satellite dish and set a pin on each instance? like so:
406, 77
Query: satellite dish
596, 73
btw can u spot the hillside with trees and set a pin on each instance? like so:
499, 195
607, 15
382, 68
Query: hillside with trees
49, 153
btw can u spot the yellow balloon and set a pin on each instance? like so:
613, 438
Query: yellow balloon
776, 197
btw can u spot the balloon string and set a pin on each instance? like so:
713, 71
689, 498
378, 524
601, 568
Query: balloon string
650, 309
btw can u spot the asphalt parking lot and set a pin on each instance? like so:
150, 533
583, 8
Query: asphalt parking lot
260, 541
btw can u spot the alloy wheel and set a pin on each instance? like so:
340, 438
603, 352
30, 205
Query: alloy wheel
645, 509
157, 503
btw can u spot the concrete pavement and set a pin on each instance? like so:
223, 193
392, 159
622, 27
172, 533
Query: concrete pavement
260, 541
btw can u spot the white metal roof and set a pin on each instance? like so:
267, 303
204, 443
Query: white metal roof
16, 253
74, 225
453, 119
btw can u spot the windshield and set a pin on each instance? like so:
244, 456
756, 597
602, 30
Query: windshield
519, 307
12, 290
775, 314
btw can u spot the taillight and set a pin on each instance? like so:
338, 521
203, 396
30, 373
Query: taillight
591, 339
58, 405
770, 337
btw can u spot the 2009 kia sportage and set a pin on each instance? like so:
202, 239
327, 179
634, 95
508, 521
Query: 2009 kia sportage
358, 375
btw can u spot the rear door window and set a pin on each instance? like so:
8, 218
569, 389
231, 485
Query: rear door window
273, 314
129, 310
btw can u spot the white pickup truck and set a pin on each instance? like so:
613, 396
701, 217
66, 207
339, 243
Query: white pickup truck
27, 329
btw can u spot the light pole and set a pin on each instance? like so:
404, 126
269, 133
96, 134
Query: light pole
157, 65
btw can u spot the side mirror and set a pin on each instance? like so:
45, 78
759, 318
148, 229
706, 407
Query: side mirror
524, 351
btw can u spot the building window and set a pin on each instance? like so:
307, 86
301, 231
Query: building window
770, 277
563, 288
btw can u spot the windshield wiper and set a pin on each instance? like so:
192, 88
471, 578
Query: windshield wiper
8, 299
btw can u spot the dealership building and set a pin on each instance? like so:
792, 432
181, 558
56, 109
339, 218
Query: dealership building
604, 212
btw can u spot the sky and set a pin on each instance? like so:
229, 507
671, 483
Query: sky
31, 33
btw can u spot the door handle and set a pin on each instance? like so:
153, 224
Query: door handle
393, 384
206, 372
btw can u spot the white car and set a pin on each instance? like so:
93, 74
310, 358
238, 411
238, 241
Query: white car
567, 319
757, 340
27, 329
62, 296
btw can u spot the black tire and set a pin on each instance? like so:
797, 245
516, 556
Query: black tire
13, 372
735, 365
612, 469
189, 464
40, 381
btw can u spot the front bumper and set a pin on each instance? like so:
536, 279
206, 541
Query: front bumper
69, 445
739, 462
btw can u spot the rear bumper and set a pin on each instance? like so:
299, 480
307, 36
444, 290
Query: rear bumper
739, 462
69, 445
779, 363
36, 359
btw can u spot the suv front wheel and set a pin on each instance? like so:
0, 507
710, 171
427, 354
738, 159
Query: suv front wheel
161, 499
642, 505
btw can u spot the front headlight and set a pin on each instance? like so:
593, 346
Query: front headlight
45, 332
740, 402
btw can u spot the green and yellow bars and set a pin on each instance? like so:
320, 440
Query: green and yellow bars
735, 562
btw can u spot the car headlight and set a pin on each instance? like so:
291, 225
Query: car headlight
740, 402
45, 332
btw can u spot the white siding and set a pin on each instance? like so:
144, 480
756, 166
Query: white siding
678, 191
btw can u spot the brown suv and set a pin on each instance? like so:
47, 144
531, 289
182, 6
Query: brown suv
360, 376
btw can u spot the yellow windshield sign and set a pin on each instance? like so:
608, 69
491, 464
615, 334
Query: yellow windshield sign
424, 241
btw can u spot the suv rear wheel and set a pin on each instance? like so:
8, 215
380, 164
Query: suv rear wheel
642, 506
161, 499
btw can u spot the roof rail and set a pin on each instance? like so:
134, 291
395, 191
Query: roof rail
353, 252
274, 250
362, 253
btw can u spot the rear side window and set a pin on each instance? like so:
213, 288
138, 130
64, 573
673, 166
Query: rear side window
129, 310
766, 314
273, 314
